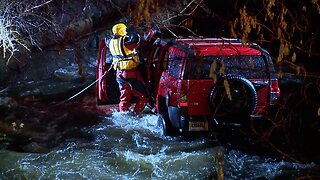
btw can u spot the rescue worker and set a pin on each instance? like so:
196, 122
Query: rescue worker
125, 61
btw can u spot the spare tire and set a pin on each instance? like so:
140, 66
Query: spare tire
233, 96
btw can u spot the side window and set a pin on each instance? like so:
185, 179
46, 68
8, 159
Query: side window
155, 56
160, 58
176, 56
165, 62
175, 66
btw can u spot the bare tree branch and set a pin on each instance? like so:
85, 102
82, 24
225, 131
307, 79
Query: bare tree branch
38, 6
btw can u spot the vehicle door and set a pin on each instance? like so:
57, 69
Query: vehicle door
170, 79
107, 88
157, 63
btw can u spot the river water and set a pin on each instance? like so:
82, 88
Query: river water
126, 147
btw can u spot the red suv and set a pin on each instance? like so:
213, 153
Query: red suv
196, 82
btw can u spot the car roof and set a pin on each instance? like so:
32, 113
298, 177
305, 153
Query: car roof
219, 46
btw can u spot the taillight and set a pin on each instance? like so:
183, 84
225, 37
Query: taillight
183, 100
183, 93
274, 92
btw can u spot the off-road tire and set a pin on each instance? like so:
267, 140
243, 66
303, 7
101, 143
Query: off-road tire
164, 120
233, 96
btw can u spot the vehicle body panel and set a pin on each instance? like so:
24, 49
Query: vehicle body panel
188, 96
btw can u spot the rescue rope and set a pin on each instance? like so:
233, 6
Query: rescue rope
77, 94
147, 105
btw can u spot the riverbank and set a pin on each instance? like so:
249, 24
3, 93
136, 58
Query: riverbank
35, 125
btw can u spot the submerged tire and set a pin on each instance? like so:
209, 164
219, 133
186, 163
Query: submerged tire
166, 126
233, 96
164, 120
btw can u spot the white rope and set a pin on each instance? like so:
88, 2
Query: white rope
87, 87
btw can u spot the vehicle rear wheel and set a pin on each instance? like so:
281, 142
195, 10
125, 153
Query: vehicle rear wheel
233, 96
164, 120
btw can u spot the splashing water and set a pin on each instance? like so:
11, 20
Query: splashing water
130, 147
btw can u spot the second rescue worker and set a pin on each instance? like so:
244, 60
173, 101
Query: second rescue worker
125, 61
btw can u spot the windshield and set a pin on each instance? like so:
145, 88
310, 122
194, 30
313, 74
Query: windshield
208, 67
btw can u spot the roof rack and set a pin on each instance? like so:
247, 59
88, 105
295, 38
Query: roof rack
213, 44
211, 40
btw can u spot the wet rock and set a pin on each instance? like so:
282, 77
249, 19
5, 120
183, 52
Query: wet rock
49, 89
69, 73
7, 102
35, 147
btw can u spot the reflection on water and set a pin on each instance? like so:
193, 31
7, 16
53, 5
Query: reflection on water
126, 147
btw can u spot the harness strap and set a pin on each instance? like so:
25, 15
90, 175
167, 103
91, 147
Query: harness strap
122, 57
122, 45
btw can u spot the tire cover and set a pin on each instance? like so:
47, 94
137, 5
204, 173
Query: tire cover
233, 95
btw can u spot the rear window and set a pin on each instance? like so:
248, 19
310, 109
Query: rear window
208, 67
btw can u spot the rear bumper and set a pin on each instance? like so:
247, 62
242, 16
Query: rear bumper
181, 120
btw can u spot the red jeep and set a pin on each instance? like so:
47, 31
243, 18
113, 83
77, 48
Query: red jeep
200, 81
